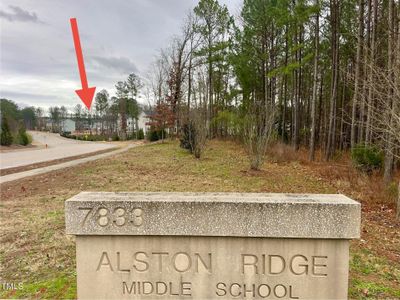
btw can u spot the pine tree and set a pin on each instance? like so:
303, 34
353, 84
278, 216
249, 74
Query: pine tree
22, 136
6, 138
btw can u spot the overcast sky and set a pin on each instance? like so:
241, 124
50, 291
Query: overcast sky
37, 57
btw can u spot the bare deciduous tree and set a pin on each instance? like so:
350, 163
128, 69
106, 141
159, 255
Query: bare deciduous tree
385, 111
198, 117
257, 131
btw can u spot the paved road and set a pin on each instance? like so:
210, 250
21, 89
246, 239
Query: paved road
29, 173
57, 148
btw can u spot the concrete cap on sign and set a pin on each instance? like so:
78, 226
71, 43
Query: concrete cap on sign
311, 216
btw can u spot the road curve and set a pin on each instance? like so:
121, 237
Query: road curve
29, 173
57, 148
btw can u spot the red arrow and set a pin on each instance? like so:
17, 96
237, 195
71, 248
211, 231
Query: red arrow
86, 93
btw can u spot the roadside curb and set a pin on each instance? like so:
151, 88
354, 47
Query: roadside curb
72, 163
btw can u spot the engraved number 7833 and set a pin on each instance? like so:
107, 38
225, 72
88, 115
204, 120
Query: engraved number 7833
119, 216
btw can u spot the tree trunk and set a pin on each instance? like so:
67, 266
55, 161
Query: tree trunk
356, 95
210, 87
397, 107
368, 133
123, 118
285, 90
367, 44
190, 78
389, 156
330, 148
315, 86
295, 108
299, 89
398, 204
320, 104
341, 130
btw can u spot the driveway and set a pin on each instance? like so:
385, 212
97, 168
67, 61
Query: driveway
57, 148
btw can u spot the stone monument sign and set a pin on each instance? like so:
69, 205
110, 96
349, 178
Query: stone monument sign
212, 245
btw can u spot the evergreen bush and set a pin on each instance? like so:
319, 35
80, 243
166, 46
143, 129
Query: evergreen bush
154, 135
367, 158
140, 134
6, 138
22, 137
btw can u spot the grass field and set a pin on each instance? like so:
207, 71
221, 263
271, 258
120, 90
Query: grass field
35, 251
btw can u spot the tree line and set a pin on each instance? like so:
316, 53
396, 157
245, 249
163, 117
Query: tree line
320, 74
108, 118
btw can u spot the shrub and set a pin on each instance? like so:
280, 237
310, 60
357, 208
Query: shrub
258, 128
194, 133
30, 138
115, 137
90, 137
367, 158
188, 137
152, 136
155, 135
140, 134
22, 137
66, 134
6, 138
99, 137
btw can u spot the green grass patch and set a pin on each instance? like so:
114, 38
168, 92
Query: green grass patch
61, 287
373, 277
360, 289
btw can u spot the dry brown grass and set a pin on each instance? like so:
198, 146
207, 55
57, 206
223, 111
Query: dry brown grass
377, 198
35, 250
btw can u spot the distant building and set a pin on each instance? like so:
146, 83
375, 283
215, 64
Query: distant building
68, 125
132, 124
87, 126
95, 126
142, 120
